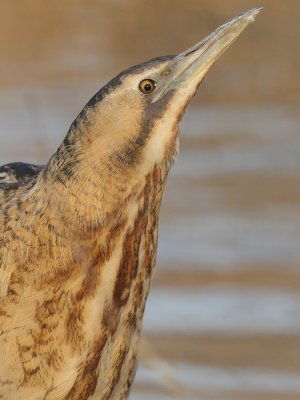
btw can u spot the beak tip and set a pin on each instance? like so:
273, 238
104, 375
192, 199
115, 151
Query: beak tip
251, 14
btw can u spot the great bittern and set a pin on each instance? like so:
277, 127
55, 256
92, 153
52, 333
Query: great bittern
78, 236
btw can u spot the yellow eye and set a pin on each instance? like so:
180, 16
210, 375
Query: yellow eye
147, 86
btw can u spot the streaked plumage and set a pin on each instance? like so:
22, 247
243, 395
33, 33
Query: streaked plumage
78, 236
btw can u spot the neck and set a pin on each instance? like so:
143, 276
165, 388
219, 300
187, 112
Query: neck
115, 288
108, 297
87, 190
89, 295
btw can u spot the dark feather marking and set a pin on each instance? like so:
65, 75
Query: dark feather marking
131, 319
131, 375
116, 370
101, 255
86, 381
26, 355
74, 324
48, 315
131, 154
130, 259
111, 318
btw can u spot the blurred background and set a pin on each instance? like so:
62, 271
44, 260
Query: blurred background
223, 317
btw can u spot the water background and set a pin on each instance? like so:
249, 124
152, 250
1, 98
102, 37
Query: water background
223, 317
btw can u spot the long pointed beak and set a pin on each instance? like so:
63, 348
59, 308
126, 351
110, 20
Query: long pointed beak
190, 66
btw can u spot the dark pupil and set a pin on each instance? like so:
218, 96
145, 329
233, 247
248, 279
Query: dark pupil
147, 87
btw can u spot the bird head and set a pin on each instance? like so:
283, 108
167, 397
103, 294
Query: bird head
135, 117
131, 125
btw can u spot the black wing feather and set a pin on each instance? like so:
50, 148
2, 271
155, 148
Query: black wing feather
18, 172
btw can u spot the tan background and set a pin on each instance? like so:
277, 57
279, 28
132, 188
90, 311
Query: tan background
223, 319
